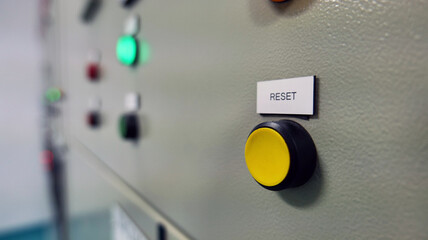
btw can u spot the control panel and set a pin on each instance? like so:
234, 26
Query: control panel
251, 119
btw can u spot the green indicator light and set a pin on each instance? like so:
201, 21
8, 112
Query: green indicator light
126, 50
144, 52
122, 126
53, 94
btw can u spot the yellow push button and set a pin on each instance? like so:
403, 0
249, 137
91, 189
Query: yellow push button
267, 156
280, 155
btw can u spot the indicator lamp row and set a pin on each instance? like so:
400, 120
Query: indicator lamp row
128, 122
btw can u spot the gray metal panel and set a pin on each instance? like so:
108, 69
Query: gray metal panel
198, 106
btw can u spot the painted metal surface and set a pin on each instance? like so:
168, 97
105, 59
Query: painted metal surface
369, 128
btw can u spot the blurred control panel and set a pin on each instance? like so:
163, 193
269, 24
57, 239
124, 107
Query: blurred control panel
169, 110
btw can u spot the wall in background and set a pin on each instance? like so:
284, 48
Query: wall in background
23, 190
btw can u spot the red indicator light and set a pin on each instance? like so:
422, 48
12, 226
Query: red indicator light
93, 119
93, 71
47, 158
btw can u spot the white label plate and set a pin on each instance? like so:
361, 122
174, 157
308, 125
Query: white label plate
286, 96
123, 226
132, 25
132, 101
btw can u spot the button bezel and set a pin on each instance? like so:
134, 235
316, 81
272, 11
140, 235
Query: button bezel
302, 150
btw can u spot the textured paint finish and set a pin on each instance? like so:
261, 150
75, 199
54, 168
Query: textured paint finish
199, 100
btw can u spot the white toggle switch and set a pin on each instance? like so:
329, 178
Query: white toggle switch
132, 102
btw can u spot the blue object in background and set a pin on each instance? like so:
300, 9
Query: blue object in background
40, 232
